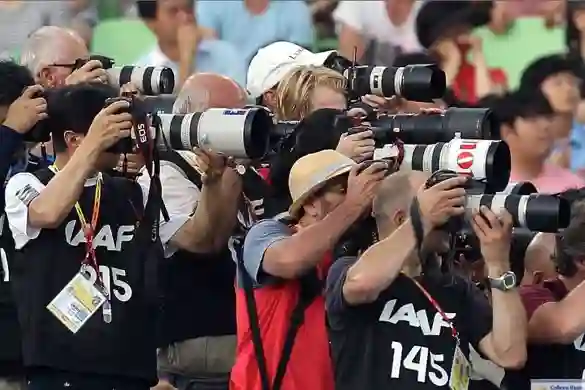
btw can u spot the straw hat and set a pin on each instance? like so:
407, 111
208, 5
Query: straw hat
311, 172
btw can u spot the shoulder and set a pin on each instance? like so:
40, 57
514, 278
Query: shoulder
267, 228
534, 296
22, 187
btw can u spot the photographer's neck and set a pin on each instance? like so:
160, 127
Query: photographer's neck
61, 159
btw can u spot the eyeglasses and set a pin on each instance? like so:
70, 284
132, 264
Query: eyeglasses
76, 65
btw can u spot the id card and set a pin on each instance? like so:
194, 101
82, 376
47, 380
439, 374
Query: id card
460, 371
77, 302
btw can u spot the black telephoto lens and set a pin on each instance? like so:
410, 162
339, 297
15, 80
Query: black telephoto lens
467, 123
413, 82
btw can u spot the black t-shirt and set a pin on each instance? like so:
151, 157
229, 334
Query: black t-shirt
400, 340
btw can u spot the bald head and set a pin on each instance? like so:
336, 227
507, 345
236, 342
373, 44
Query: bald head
539, 254
52, 45
208, 90
394, 196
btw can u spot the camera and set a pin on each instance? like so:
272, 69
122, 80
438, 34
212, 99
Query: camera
150, 80
413, 82
483, 160
468, 123
536, 212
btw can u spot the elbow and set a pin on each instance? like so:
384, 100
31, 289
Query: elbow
357, 290
42, 217
514, 359
568, 330
285, 266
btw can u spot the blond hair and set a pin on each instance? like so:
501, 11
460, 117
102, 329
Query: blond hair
294, 92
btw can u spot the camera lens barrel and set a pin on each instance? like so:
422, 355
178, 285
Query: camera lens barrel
240, 133
540, 213
520, 188
480, 159
413, 82
150, 80
467, 123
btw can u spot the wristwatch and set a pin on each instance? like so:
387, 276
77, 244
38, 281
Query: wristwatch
505, 282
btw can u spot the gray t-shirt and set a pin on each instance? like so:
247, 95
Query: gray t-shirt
260, 237
18, 21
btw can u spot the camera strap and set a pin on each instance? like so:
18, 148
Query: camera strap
310, 286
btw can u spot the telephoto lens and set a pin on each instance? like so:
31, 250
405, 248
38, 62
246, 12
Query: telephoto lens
413, 82
239, 133
520, 188
467, 123
539, 213
150, 80
484, 160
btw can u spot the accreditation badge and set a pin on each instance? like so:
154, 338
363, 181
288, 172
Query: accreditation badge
460, 371
77, 302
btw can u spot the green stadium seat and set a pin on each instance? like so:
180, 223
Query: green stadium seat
124, 40
526, 41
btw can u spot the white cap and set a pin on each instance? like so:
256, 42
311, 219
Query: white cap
272, 62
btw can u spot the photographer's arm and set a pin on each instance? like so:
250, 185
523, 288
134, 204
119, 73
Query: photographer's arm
378, 266
292, 256
552, 322
57, 199
211, 224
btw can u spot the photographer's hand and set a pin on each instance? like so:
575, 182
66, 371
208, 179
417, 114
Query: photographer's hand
27, 110
362, 186
210, 165
91, 72
358, 146
495, 237
387, 105
441, 202
109, 126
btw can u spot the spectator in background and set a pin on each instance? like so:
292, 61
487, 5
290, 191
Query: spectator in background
252, 24
51, 53
183, 45
526, 119
18, 19
554, 75
444, 28
378, 29
555, 327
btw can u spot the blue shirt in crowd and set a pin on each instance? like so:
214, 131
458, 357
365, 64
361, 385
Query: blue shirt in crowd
213, 56
282, 21
577, 147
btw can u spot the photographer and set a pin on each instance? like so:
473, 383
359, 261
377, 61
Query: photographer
19, 112
287, 262
51, 52
203, 195
273, 62
84, 254
555, 322
393, 305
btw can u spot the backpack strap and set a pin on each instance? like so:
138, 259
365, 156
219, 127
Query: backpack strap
174, 157
310, 286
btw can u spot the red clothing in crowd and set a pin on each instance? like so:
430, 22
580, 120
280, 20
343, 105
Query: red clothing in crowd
464, 84
309, 367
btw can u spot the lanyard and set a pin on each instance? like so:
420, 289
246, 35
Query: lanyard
441, 312
89, 230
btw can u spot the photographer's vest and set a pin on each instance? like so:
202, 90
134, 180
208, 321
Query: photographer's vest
10, 342
198, 297
126, 256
